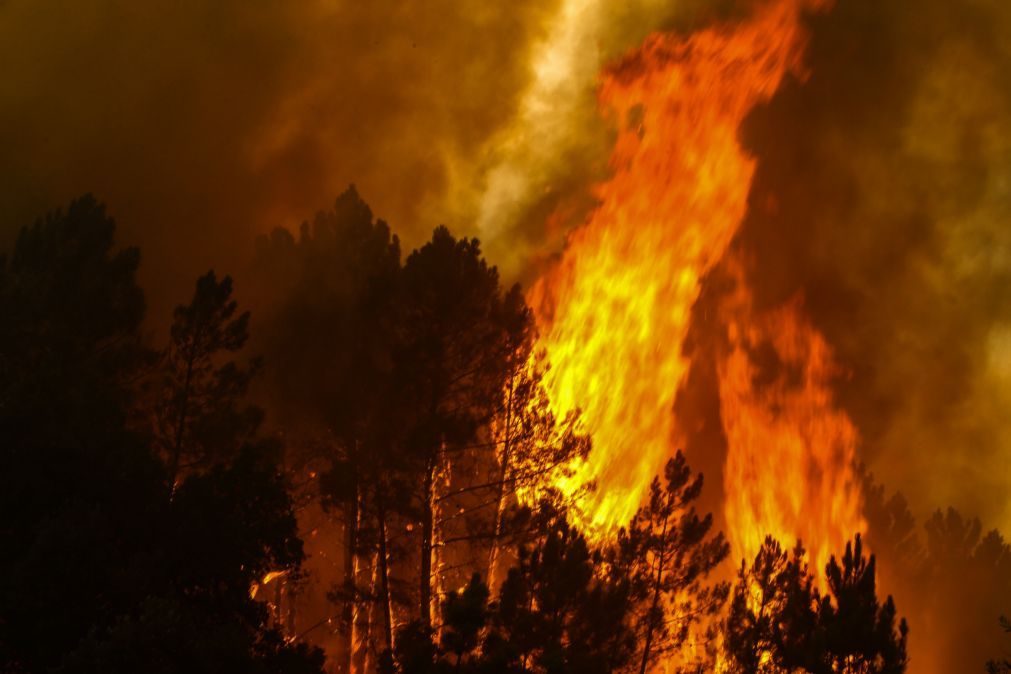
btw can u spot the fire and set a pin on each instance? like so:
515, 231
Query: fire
791, 458
269, 577
613, 314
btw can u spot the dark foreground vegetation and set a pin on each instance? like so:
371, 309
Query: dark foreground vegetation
145, 500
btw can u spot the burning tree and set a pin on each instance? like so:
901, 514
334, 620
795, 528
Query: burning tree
779, 621
667, 552
433, 417
458, 333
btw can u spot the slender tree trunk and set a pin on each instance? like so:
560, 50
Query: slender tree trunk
657, 585
350, 570
290, 616
177, 442
278, 598
427, 531
384, 570
443, 477
365, 620
493, 553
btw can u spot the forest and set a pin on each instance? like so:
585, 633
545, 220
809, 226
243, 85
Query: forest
161, 491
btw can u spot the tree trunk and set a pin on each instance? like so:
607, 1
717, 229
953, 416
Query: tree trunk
493, 553
177, 442
350, 570
427, 531
290, 616
657, 585
384, 570
365, 620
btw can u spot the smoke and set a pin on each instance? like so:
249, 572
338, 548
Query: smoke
531, 182
201, 124
883, 197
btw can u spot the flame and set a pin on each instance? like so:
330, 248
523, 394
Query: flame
614, 312
268, 577
271, 575
791, 454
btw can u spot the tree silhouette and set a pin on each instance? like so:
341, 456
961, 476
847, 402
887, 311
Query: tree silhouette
533, 449
560, 610
667, 552
105, 569
428, 417
967, 570
200, 418
464, 617
861, 634
329, 373
457, 333
556, 614
772, 623
780, 622
1002, 666
69, 340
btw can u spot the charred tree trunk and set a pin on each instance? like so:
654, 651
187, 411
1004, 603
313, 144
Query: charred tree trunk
493, 552
290, 616
180, 429
364, 619
350, 571
384, 570
427, 533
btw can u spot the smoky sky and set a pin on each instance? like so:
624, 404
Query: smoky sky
882, 197
882, 193
203, 123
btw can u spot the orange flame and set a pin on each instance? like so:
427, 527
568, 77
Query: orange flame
613, 314
791, 455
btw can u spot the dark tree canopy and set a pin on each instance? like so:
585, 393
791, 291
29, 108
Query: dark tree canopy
780, 622
69, 338
667, 551
967, 569
327, 326
201, 418
555, 614
105, 568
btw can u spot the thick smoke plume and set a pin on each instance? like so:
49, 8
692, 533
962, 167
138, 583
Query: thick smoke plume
882, 203
203, 124
883, 198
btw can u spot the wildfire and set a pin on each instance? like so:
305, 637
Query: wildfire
614, 312
791, 454
269, 577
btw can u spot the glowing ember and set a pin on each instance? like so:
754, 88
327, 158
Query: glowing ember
614, 313
271, 575
266, 580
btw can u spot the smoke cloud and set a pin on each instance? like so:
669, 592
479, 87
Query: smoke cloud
883, 198
201, 124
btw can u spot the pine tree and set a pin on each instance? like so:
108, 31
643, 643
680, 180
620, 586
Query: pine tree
457, 333
779, 622
200, 419
667, 552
